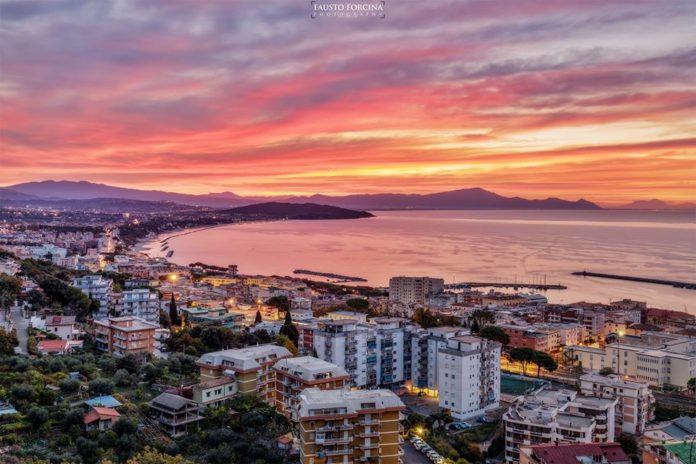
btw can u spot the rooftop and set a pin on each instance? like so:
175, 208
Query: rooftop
312, 399
250, 357
310, 368
573, 453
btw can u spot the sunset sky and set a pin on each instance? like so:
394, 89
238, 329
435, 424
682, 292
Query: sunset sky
585, 98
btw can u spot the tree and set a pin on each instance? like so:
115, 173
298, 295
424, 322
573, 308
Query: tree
544, 360
165, 320
359, 305
101, 387
524, 356
606, 371
173, 313
284, 340
151, 456
37, 417
10, 287
482, 317
88, 450
8, 341
495, 333
475, 327
258, 319
288, 318
281, 302
68, 386
691, 385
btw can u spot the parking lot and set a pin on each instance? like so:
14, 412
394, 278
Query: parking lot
413, 456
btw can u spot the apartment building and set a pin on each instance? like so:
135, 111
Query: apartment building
527, 336
139, 302
125, 335
293, 375
568, 334
556, 416
634, 408
469, 376
251, 367
374, 354
414, 290
669, 442
344, 426
425, 345
653, 359
98, 289
594, 322
595, 453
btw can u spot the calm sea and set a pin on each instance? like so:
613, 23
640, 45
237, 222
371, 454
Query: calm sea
511, 246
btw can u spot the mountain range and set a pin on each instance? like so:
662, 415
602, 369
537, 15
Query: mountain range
658, 205
472, 198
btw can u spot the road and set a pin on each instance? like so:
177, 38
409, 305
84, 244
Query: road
413, 456
22, 326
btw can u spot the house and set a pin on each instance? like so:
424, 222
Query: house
62, 326
175, 413
215, 392
58, 346
101, 419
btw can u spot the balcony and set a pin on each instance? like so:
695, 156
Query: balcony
365, 422
334, 441
369, 446
368, 434
333, 428
338, 452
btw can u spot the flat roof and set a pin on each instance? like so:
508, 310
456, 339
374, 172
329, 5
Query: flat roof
309, 368
351, 400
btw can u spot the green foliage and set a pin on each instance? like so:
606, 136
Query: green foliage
69, 386
281, 302
606, 371
9, 290
101, 387
426, 319
482, 318
495, 333
359, 305
258, 319
8, 341
37, 417
173, 313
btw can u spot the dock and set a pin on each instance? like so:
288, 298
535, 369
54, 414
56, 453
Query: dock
647, 280
513, 285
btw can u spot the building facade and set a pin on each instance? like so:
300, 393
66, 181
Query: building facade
349, 426
125, 335
414, 290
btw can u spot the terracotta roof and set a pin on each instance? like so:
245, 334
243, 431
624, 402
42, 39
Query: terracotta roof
97, 413
52, 345
215, 383
568, 454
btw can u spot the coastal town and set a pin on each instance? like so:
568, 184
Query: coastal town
129, 355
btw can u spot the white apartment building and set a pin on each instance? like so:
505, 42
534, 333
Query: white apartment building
99, 289
634, 408
557, 416
344, 343
469, 376
377, 353
140, 302
425, 345
414, 290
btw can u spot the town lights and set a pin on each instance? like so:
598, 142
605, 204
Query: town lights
173, 277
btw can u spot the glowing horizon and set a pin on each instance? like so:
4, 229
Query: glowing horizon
570, 99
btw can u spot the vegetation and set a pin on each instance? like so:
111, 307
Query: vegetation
10, 287
495, 333
281, 302
606, 371
527, 356
8, 341
198, 340
426, 319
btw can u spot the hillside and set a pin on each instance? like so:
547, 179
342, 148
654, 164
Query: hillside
277, 210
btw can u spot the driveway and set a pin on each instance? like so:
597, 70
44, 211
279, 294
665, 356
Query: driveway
22, 326
413, 456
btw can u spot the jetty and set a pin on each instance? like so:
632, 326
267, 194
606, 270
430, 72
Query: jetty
647, 280
513, 285
328, 275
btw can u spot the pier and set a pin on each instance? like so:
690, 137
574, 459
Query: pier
671, 283
514, 285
